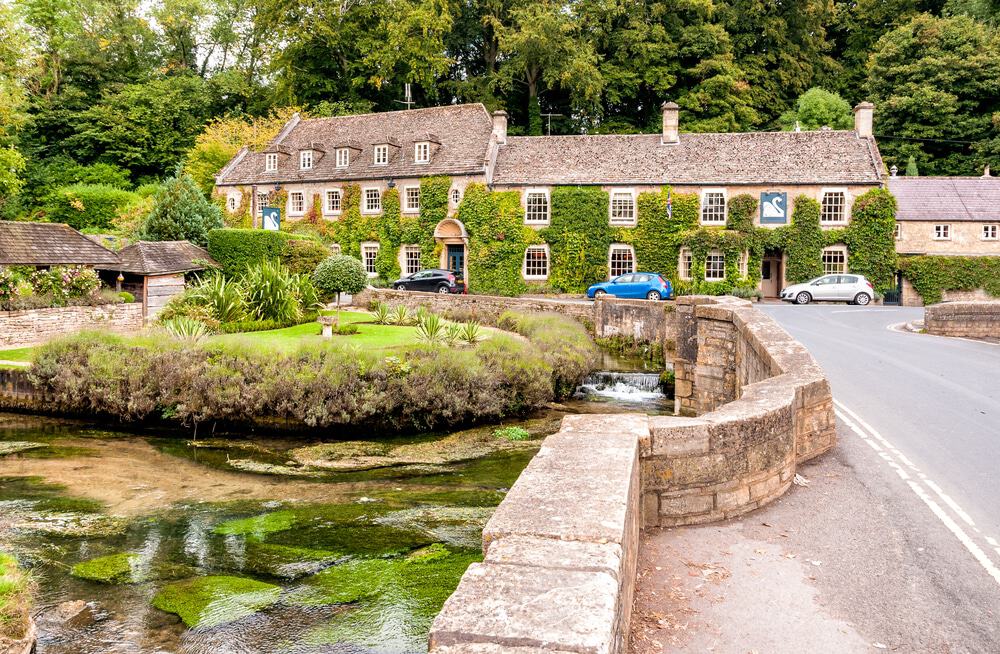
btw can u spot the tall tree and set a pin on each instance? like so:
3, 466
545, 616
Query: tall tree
818, 108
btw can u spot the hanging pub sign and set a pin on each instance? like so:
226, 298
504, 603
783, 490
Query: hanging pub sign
773, 208
272, 218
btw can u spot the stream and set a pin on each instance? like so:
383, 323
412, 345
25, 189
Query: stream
150, 542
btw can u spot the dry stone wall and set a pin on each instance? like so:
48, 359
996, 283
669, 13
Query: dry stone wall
560, 551
35, 326
979, 319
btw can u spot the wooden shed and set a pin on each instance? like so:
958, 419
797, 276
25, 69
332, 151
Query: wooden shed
155, 271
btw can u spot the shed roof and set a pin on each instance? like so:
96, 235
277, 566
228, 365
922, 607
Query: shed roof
973, 199
163, 257
818, 157
50, 244
461, 134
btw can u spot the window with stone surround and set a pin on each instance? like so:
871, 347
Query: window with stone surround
373, 200
833, 206
715, 266
456, 197
621, 260
990, 232
411, 259
369, 251
536, 207
622, 208
411, 199
296, 202
942, 232
713, 206
332, 205
684, 265
536, 262
834, 260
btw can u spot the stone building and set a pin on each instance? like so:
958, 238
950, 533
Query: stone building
317, 158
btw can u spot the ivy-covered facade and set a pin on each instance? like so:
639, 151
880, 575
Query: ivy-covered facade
717, 213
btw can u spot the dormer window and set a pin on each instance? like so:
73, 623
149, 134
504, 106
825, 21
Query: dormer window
306, 160
270, 162
422, 152
343, 157
381, 155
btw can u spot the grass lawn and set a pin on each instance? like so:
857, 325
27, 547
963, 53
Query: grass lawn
20, 354
370, 336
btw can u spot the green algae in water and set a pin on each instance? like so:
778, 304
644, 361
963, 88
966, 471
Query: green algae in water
16, 447
397, 599
258, 526
212, 601
45, 496
285, 561
121, 568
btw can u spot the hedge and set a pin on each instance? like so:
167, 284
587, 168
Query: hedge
83, 206
236, 249
932, 275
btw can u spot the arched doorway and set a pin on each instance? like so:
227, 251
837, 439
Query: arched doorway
451, 234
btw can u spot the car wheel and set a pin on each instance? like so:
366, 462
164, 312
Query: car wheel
599, 293
862, 299
399, 287
443, 289
803, 298
653, 295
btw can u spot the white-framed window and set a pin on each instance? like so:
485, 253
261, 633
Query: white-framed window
713, 206
621, 208
270, 162
990, 232
897, 233
380, 155
422, 152
332, 201
715, 266
536, 206
833, 206
684, 264
834, 260
343, 157
455, 197
372, 200
411, 199
744, 263
369, 251
262, 199
411, 259
233, 202
335, 248
306, 160
942, 232
621, 260
536, 262
296, 203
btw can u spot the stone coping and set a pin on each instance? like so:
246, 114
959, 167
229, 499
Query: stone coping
561, 549
969, 319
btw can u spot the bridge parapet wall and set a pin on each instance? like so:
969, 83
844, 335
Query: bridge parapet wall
977, 319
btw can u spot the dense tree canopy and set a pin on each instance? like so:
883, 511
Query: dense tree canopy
145, 86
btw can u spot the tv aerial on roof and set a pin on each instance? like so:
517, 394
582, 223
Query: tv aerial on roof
407, 96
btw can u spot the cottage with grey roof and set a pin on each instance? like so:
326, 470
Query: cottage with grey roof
311, 163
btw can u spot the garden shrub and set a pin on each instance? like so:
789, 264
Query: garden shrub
804, 242
83, 206
320, 385
238, 249
932, 275
181, 213
578, 236
301, 256
340, 274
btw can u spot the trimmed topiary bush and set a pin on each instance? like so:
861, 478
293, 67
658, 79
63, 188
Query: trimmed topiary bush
340, 274
238, 249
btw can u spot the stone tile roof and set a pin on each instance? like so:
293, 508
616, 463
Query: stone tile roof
819, 157
459, 136
163, 257
947, 198
50, 244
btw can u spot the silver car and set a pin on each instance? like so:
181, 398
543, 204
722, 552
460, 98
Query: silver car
854, 289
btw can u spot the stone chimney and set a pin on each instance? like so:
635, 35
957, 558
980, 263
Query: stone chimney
863, 118
500, 126
671, 123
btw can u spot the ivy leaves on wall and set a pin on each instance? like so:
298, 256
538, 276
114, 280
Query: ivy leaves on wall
932, 275
870, 238
804, 241
497, 239
579, 237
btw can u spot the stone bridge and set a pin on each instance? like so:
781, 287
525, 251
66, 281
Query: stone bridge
561, 549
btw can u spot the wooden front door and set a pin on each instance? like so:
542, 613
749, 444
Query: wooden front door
770, 276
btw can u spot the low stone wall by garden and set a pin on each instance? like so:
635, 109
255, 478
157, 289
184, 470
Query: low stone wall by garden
17, 392
36, 326
560, 552
979, 319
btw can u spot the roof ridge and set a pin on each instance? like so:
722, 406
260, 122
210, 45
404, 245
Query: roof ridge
399, 111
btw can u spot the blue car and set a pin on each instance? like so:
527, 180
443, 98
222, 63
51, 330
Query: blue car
640, 285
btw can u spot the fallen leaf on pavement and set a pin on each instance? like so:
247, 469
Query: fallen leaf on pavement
799, 480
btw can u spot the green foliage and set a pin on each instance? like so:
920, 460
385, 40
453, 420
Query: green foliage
301, 256
83, 206
818, 108
272, 293
564, 343
870, 238
804, 242
431, 329
911, 167
186, 330
16, 598
433, 209
121, 568
126, 297
212, 601
340, 274
238, 249
470, 332
512, 433
497, 239
181, 213
742, 211
932, 275
380, 313
578, 237
657, 235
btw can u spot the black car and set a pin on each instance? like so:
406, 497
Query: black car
433, 280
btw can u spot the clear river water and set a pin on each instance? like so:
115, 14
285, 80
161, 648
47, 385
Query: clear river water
150, 542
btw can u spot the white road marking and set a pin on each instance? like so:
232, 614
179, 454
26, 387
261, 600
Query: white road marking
868, 434
867, 310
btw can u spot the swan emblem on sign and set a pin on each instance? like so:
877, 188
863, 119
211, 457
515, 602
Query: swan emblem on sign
773, 208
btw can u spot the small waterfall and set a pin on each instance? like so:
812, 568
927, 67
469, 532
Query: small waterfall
630, 386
